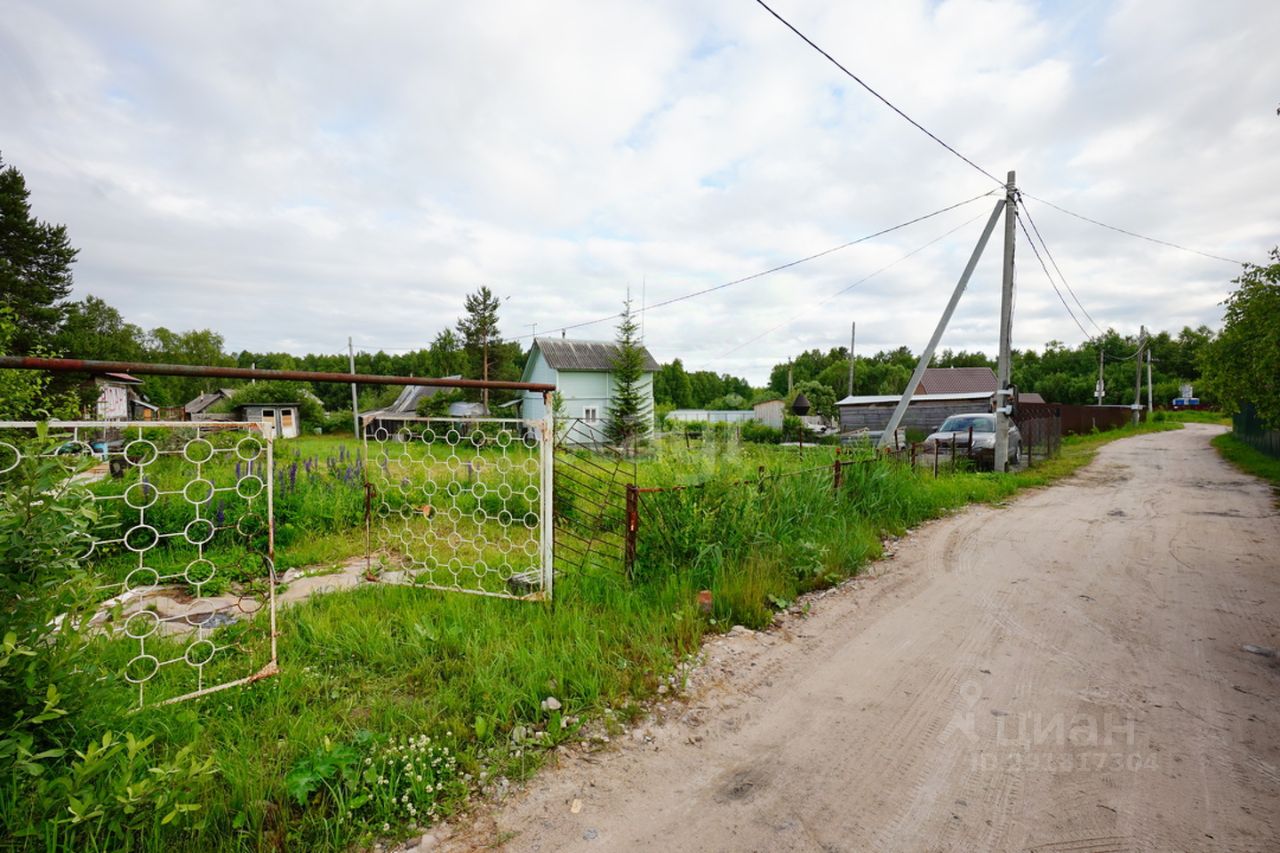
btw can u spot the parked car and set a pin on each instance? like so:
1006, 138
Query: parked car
983, 426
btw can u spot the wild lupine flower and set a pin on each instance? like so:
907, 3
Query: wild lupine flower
220, 515
293, 475
237, 470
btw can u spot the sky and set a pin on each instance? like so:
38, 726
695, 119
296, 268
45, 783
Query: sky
291, 174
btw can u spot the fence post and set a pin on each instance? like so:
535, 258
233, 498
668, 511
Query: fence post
760, 482
953, 453
936, 444
547, 447
837, 475
913, 454
633, 522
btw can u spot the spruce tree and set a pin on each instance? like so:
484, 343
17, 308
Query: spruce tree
35, 266
629, 411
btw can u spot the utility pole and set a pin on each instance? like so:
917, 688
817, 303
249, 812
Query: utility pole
789, 378
853, 332
1003, 403
926, 356
1151, 405
355, 406
1101, 390
1137, 378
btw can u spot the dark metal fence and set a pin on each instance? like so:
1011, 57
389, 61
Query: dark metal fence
592, 504
1252, 430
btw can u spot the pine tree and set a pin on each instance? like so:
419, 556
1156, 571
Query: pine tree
629, 410
479, 331
35, 265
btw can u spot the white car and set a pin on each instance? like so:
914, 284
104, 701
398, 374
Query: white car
983, 428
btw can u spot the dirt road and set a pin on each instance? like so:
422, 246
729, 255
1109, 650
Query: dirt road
1063, 674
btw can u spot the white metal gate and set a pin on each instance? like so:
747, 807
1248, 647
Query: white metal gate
462, 504
184, 561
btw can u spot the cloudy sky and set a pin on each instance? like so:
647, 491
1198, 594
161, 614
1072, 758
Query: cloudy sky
293, 173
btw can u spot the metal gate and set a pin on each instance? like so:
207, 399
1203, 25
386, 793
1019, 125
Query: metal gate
462, 504
183, 556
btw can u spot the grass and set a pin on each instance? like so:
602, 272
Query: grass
368, 674
1248, 459
1192, 416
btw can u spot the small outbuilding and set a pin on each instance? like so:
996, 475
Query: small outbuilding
279, 419
120, 399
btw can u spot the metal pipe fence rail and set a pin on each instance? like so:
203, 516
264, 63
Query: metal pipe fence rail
464, 504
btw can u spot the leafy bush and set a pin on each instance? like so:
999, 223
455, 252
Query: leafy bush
70, 789
758, 433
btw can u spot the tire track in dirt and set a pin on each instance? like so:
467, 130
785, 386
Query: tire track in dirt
1062, 674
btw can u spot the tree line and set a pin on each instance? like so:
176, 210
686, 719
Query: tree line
1241, 364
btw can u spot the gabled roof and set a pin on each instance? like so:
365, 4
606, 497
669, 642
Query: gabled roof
562, 354
204, 401
957, 380
406, 403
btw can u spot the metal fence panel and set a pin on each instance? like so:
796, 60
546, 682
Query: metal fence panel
1250, 429
183, 557
463, 504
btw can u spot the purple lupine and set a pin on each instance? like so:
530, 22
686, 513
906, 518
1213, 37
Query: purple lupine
219, 515
293, 475
237, 470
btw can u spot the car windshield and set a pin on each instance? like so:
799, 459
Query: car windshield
961, 423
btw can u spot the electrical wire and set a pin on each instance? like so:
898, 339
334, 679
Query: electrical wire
843, 290
1053, 283
673, 300
1134, 233
1025, 209
879, 96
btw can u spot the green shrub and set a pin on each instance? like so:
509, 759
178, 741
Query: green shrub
758, 433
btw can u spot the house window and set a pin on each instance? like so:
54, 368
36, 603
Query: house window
589, 413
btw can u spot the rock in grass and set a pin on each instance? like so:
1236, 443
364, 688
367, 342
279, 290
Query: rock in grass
551, 703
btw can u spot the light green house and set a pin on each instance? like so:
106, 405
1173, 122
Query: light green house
582, 372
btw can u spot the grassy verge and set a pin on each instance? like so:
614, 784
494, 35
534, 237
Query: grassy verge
1248, 459
396, 705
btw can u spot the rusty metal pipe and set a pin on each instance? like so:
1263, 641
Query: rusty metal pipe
77, 365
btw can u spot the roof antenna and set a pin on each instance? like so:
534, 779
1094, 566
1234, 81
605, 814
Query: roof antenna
562, 331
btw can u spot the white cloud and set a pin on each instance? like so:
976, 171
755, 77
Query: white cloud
293, 173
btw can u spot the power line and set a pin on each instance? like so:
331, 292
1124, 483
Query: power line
772, 270
1053, 261
1134, 233
844, 290
1053, 283
879, 96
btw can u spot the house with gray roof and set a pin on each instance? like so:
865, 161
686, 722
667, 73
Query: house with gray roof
402, 411
582, 372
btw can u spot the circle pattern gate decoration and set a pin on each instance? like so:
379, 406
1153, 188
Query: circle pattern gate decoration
459, 504
182, 558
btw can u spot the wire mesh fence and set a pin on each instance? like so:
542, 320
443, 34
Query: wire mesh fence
462, 505
181, 554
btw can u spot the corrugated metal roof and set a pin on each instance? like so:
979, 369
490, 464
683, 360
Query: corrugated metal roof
407, 401
562, 354
880, 399
204, 401
956, 380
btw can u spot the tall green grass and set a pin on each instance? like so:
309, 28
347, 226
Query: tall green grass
365, 671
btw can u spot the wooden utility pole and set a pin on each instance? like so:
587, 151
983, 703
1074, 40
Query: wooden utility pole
1003, 403
355, 406
1137, 377
853, 331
